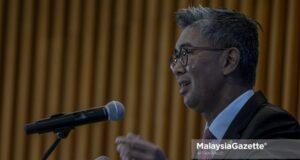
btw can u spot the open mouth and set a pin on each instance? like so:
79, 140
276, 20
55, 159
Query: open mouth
184, 87
184, 83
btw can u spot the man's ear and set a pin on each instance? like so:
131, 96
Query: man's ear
230, 60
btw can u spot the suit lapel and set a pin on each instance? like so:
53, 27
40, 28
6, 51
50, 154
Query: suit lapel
241, 121
243, 118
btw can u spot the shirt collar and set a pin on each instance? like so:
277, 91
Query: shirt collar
221, 123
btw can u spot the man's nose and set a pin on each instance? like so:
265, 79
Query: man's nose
178, 68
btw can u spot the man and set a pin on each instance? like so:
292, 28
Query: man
214, 63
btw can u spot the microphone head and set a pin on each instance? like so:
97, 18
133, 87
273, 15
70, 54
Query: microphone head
115, 110
103, 158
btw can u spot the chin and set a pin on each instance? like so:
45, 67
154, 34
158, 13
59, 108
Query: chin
190, 104
193, 104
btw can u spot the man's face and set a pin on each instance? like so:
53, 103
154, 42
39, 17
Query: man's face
201, 78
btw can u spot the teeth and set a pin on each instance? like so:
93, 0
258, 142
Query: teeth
184, 83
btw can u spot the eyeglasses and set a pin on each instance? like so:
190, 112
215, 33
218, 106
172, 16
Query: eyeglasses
183, 53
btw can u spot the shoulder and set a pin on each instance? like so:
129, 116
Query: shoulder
259, 119
273, 122
270, 114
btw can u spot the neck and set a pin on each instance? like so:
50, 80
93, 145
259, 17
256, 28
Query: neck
224, 98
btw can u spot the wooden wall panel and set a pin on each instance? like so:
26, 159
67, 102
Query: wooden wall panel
291, 63
133, 78
232, 4
262, 15
86, 69
40, 74
149, 67
162, 107
276, 46
67, 55
70, 71
23, 95
118, 66
9, 79
55, 58
102, 68
2, 19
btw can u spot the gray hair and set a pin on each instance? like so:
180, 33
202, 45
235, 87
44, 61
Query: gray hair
225, 29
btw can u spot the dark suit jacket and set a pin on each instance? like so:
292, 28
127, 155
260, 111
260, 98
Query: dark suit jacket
259, 119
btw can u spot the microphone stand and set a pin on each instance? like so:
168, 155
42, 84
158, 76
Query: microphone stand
60, 134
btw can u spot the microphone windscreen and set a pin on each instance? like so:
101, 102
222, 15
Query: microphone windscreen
103, 158
115, 110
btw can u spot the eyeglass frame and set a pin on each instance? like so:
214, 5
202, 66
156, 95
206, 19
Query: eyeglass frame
185, 51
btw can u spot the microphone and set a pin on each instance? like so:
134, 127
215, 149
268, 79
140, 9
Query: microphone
103, 158
113, 111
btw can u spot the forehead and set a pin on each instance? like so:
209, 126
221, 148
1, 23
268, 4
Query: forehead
191, 36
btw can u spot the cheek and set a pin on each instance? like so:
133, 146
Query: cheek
205, 75
196, 67
191, 67
202, 69
201, 64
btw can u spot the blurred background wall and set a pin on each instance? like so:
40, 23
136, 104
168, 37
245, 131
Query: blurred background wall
67, 55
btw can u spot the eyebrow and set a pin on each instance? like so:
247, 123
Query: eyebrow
183, 46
